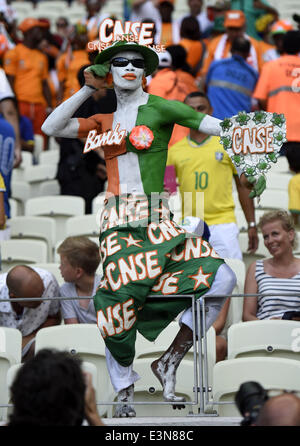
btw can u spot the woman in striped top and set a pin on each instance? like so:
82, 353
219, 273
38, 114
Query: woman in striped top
275, 275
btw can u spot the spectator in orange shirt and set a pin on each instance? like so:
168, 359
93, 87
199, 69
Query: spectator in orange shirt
174, 81
69, 63
219, 47
190, 34
166, 28
93, 17
27, 71
277, 32
279, 92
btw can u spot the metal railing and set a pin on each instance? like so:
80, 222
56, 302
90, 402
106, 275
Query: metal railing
201, 388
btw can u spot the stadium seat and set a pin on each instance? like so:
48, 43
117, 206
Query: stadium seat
10, 354
53, 144
236, 303
281, 166
20, 252
274, 374
52, 5
149, 390
11, 344
20, 191
278, 181
37, 175
241, 220
38, 144
98, 203
84, 225
56, 257
58, 207
49, 157
27, 159
273, 199
33, 227
14, 207
49, 187
85, 341
268, 338
153, 350
53, 268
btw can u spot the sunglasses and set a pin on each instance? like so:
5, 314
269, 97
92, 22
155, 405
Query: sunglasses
123, 62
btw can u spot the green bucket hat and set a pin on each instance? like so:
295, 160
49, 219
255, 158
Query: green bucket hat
150, 56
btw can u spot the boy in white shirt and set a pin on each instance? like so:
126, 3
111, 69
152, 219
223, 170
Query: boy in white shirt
79, 260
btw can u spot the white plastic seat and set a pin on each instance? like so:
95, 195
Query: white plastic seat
54, 5
84, 225
56, 257
272, 373
20, 191
148, 389
269, 338
38, 140
98, 203
49, 157
85, 341
27, 159
53, 144
281, 166
19, 252
53, 268
49, 187
145, 349
14, 207
33, 227
10, 354
37, 175
11, 344
235, 310
21, 6
58, 207
278, 181
273, 199
241, 220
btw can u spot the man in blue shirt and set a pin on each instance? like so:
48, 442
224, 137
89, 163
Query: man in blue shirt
231, 82
7, 148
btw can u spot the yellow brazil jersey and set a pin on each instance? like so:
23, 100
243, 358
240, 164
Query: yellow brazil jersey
204, 168
2, 189
294, 194
2, 185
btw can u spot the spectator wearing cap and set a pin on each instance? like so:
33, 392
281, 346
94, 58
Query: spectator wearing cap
277, 32
253, 9
219, 47
196, 11
69, 63
27, 71
277, 89
263, 27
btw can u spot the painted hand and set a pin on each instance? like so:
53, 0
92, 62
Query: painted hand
258, 186
95, 76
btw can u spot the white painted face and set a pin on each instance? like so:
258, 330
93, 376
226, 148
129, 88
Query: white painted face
129, 77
